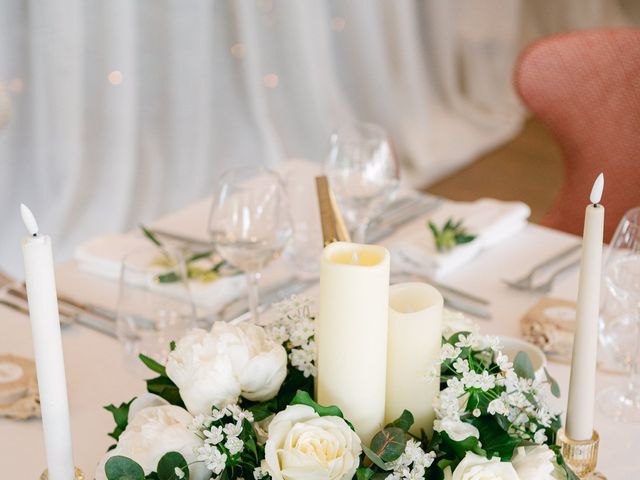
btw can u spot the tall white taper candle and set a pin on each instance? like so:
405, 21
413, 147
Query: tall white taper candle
415, 338
580, 407
47, 347
351, 334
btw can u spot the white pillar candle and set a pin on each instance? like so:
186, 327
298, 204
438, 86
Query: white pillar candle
47, 348
415, 339
580, 407
351, 333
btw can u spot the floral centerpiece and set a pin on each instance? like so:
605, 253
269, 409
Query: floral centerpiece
237, 402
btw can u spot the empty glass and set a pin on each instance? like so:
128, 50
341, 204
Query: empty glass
154, 302
620, 318
363, 174
250, 223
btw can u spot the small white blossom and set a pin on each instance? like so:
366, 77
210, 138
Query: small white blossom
213, 459
540, 437
464, 341
461, 366
178, 472
448, 352
259, 473
233, 429
234, 445
476, 412
214, 435
496, 407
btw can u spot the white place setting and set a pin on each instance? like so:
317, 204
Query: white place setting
410, 355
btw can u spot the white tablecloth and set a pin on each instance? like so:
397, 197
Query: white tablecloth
97, 374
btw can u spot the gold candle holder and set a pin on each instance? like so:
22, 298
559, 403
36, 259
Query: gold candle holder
78, 475
581, 455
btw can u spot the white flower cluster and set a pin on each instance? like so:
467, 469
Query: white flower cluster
221, 434
520, 400
411, 465
295, 328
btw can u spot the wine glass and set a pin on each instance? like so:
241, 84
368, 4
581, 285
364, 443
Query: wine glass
620, 318
154, 302
363, 173
250, 224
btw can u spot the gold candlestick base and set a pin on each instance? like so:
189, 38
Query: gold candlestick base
581, 455
78, 475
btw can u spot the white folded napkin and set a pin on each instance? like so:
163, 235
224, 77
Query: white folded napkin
103, 256
492, 221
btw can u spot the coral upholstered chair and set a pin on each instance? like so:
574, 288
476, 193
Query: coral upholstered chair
585, 88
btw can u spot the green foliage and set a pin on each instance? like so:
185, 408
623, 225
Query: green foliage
562, 464
494, 439
454, 450
523, 367
164, 387
123, 468
152, 365
452, 233
389, 444
167, 466
303, 398
120, 416
553, 384
151, 236
404, 422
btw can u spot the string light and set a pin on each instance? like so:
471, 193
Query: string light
115, 77
271, 80
17, 85
338, 24
238, 50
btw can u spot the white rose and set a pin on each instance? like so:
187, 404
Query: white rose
475, 467
456, 430
154, 431
215, 368
536, 463
302, 444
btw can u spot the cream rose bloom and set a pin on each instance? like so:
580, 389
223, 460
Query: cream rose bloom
475, 467
154, 431
536, 463
456, 430
302, 444
215, 368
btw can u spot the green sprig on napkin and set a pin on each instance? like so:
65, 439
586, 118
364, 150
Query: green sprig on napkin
452, 233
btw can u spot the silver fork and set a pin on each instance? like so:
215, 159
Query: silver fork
546, 287
526, 282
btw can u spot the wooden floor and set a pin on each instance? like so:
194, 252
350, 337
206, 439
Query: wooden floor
528, 168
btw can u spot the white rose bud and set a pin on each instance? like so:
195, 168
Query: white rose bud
302, 444
456, 429
536, 463
215, 368
475, 467
154, 431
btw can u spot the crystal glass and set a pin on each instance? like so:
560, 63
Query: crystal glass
154, 302
363, 174
250, 223
620, 318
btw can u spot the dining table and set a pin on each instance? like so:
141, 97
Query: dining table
98, 373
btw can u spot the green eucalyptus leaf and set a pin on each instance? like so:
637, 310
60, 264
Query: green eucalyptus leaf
389, 444
165, 388
405, 421
199, 256
364, 473
374, 457
457, 449
553, 385
152, 365
123, 468
167, 466
523, 367
169, 277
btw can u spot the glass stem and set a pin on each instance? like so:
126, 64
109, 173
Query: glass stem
254, 300
634, 375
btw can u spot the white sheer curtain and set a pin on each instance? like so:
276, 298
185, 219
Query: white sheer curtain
118, 111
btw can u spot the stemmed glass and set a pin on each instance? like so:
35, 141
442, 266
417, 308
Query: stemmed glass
154, 302
250, 224
620, 318
363, 173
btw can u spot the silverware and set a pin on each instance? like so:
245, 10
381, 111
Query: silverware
474, 305
386, 224
546, 287
439, 286
526, 282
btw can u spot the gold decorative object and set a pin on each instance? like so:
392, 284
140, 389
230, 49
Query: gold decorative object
333, 227
581, 455
18, 388
78, 475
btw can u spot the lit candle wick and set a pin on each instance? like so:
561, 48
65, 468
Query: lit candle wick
596, 190
354, 257
29, 220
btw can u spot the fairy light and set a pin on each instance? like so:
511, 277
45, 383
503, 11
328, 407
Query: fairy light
338, 24
115, 77
271, 80
238, 50
16, 85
